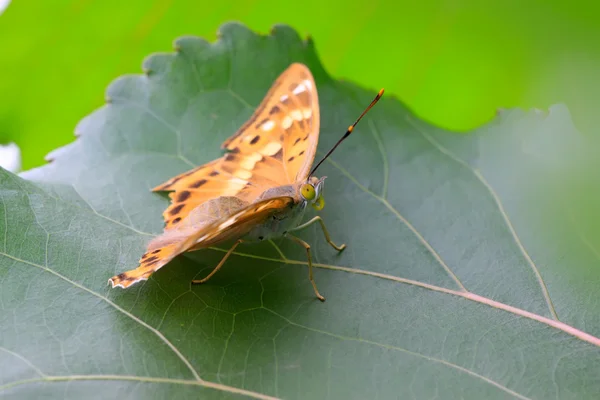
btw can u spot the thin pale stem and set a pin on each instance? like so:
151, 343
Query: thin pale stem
325, 232
310, 266
219, 265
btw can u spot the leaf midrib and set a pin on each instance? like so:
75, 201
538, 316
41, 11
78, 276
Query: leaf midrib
464, 294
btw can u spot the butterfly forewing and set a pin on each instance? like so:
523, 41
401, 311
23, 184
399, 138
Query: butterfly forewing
276, 146
286, 124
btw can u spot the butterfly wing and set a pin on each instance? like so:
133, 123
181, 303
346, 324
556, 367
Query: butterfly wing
275, 147
221, 177
175, 241
287, 120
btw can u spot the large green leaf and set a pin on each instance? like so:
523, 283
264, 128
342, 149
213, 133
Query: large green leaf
471, 270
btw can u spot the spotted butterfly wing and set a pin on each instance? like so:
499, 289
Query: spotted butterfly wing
164, 248
217, 201
275, 147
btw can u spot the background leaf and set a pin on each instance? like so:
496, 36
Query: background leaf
471, 269
453, 62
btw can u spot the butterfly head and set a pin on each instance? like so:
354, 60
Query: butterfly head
312, 192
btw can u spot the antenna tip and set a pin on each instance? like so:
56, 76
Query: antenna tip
380, 93
350, 128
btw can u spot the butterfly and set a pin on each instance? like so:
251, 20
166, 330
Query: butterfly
258, 190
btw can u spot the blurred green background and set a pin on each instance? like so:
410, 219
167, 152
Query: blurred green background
453, 62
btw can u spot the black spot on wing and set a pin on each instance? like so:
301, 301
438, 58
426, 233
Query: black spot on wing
183, 196
175, 210
199, 183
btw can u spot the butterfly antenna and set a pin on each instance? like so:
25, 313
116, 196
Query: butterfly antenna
348, 132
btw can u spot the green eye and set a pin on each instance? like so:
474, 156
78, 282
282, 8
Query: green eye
319, 203
308, 191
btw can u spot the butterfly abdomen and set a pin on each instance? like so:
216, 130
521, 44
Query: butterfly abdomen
277, 224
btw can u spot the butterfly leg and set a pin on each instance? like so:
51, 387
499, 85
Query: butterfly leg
310, 271
219, 265
325, 232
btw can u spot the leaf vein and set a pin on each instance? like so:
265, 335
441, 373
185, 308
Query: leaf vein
104, 216
157, 117
118, 308
414, 230
400, 349
25, 360
140, 379
386, 165
5, 222
501, 209
586, 337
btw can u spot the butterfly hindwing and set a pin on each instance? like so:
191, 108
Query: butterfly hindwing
157, 255
239, 223
237, 219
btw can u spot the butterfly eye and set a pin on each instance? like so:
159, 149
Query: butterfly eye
319, 203
308, 191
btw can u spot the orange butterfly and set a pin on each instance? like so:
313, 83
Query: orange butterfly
257, 191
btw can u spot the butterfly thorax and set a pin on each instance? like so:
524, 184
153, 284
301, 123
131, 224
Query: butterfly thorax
278, 224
